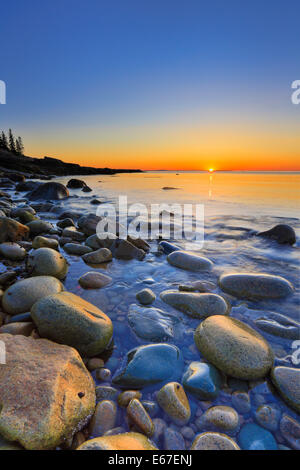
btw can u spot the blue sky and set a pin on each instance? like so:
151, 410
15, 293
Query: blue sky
123, 74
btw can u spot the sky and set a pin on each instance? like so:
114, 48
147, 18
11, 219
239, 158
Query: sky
154, 84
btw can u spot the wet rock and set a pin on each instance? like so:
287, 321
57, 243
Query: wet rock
24, 215
290, 430
43, 400
254, 437
12, 231
103, 419
125, 397
268, 417
43, 242
167, 247
198, 286
95, 363
68, 319
12, 251
151, 407
287, 382
47, 262
139, 417
76, 249
49, 191
21, 317
255, 286
202, 380
189, 261
214, 441
100, 240
150, 364
67, 222
220, 418
22, 295
39, 226
173, 400
88, 223
123, 249
7, 277
75, 183
283, 234
103, 255
94, 280
87, 189
114, 431
173, 440
146, 296
105, 392
103, 374
126, 441
27, 185
194, 304
139, 243
241, 402
279, 325
19, 328
151, 324
234, 347
71, 232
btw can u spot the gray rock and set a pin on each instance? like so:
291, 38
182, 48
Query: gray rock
194, 304
189, 261
49, 191
255, 286
94, 280
146, 296
151, 324
103, 255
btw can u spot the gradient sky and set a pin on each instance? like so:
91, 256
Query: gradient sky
160, 84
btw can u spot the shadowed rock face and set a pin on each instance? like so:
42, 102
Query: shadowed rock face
46, 392
48, 191
283, 234
12, 231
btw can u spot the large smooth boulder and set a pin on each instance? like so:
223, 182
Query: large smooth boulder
75, 183
124, 441
49, 191
194, 304
46, 392
189, 261
255, 286
47, 262
68, 319
12, 231
20, 297
234, 347
150, 364
287, 382
282, 233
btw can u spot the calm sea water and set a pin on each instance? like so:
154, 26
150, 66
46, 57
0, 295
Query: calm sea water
235, 204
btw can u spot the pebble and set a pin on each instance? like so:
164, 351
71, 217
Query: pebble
287, 382
214, 441
173, 400
202, 380
290, 430
255, 286
241, 402
139, 416
105, 392
95, 363
94, 280
195, 304
146, 296
173, 440
220, 418
125, 397
103, 255
104, 418
189, 261
43, 242
268, 417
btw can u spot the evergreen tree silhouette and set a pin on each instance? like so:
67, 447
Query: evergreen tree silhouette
19, 146
12, 144
3, 141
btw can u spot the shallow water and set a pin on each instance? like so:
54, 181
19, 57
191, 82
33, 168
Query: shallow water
235, 205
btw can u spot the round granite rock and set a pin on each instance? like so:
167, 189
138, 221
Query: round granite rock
21, 296
287, 382
47, 262
234, 347
125, 441
67, 319
220, 418
214, 441
194, 304
189, 261
255, 286
94, 280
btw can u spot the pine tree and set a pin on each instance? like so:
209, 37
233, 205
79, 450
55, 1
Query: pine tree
19, 146
12, 144
4, 143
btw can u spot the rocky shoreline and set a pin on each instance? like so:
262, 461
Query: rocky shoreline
48, 167
58, 345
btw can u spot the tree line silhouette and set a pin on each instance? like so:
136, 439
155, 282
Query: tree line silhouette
11, 143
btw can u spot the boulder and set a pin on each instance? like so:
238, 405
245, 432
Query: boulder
283, 234
234, 347
12, 231
196, 305
49, 191
189, 261
94, 280
46, 393
255, 286
47, 262
67, 319
20, 297
75, 183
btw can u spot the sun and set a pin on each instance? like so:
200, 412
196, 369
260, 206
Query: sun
211, 170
